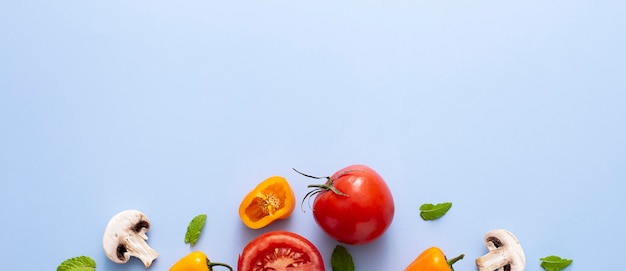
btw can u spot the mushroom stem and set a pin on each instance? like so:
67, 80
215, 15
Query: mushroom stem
492, 261
505, 252
138, 247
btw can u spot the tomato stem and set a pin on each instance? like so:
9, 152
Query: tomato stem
320, 187
309, 195
310, 176
328, 187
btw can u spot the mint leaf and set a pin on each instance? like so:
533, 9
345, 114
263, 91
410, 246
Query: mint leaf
341, 260
194, 229
431, 212
80, 263
554, 263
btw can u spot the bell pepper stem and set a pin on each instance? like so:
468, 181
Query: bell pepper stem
212, 264
454, 260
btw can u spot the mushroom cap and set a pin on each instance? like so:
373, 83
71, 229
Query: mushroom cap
126, 230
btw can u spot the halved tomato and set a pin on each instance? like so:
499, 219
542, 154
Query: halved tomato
280, 250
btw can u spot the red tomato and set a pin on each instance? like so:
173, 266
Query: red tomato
280, 250
364, 211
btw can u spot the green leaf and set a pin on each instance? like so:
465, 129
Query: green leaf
341, 260
554, 263
431, 212
80, 263
194, 229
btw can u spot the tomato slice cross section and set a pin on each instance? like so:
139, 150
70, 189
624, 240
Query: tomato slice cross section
280, 251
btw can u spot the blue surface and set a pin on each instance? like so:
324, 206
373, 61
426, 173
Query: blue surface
515, 111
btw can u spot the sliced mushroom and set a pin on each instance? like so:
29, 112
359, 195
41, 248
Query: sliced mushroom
505, 252
125, 236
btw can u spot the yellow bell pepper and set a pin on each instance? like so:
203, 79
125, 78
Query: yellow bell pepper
270, 200
432, 259
196, 261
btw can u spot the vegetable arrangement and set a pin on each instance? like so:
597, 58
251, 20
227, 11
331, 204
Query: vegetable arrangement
354, 206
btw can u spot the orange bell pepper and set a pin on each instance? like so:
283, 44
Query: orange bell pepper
272, 199
433, 259
196, 261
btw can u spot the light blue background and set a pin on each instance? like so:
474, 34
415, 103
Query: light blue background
515, 111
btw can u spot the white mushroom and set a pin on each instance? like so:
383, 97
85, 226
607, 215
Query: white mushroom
505, 252
125, 236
